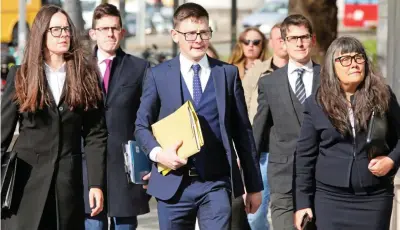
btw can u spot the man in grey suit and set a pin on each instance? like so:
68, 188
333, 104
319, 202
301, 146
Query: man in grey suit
280, 112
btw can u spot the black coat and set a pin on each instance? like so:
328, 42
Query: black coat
121, 104
326, 156
49, 152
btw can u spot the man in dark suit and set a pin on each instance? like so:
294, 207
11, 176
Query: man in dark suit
201, 185
280, 112
122, 77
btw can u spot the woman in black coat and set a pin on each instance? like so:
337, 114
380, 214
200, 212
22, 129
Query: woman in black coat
55, 97
337, 178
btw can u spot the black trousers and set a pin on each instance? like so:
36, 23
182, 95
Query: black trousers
239, 216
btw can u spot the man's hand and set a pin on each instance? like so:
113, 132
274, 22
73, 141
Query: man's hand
169, 157
299, 215
381, 165
253, 201
146, 177
96, 196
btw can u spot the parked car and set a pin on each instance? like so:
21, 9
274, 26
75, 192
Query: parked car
266, 17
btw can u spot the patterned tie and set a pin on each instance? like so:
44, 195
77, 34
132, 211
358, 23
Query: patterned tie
197, 92
300, 89
106, 78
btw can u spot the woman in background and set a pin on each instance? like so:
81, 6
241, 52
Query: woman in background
250, 49
56, 98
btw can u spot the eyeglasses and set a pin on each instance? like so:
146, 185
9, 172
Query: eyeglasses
304, 38
192, 36
56, 31
105, 30
254, 42
346, 60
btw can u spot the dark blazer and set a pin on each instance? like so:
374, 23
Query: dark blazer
162, 95
276, 126
121, 104
325, 155
49, 151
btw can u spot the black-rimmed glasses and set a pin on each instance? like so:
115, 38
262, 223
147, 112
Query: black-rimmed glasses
304, 38
56, 31
105, 30
192, 36
346, 60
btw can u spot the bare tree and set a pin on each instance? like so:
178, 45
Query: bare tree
323, 16
74, 10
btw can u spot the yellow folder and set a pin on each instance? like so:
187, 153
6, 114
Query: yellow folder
183, 125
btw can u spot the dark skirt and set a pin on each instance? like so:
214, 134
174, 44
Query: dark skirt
345, 209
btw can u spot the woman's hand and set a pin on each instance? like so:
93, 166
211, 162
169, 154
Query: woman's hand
96, 201
299, 215
380, 166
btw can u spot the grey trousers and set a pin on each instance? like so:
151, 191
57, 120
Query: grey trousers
282, 211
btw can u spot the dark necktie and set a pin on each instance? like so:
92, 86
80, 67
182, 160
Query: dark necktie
300, 90
197, 92
106, 78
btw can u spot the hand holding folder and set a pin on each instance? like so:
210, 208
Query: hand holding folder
183, 125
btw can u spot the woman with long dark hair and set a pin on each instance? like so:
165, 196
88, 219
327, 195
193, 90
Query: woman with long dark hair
56, 99
337, 180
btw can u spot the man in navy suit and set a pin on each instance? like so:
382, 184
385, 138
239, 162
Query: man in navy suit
201, 185
122, 78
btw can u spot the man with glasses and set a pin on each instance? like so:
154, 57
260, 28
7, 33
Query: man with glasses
121, 76
201, 185
280, 113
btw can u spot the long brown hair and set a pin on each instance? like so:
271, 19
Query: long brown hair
372, 94
81, 85
237, 52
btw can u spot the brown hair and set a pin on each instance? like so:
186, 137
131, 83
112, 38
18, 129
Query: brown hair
372, 94
295, 20
189, 10
237, 55
81, 85
105, 9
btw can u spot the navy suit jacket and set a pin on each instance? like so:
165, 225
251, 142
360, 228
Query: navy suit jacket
162, 95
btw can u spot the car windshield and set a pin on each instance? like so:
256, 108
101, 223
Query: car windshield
274, 7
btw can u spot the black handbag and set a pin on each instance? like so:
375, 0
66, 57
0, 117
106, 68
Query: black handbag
9, 162
376, 144
307, 223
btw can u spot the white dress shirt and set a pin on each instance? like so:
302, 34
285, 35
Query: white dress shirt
56, 80
187, 75
307, 76
101, 63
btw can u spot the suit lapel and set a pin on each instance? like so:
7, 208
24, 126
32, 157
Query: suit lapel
219, 79
316, 79
172, 83
283, 89
116, 72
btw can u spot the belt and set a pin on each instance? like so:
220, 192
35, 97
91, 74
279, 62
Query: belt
192, 172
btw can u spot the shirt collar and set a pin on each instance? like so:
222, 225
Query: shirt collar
101, 58
51, 70
186, 64
307, 67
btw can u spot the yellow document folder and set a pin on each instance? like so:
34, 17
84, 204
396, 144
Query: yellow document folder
183, 125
